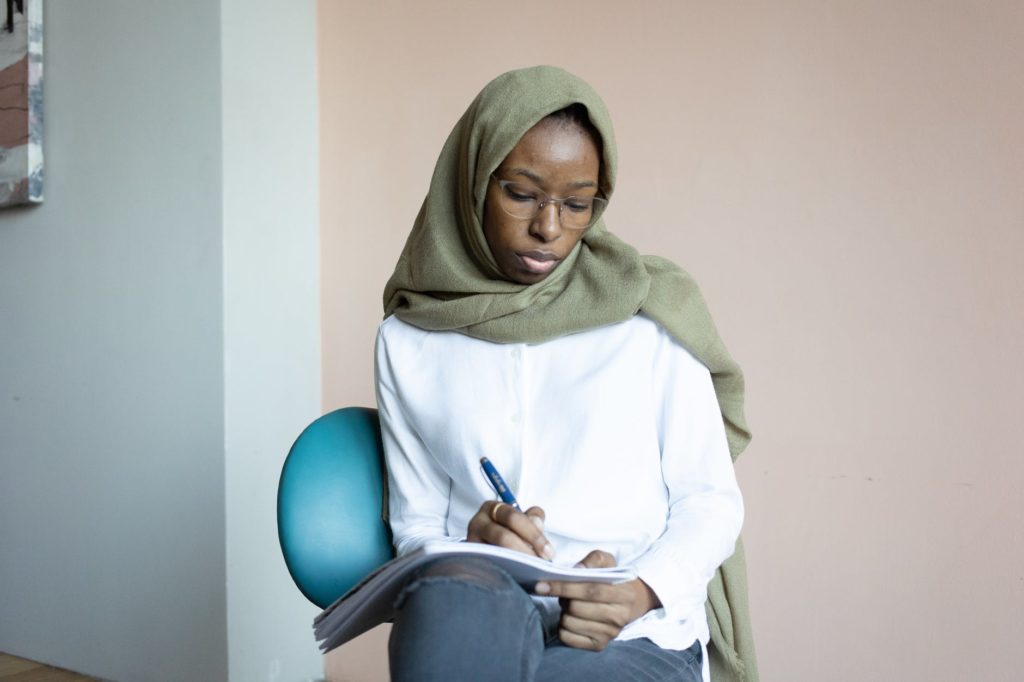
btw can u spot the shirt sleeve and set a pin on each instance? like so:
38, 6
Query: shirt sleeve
418, 488
705, 505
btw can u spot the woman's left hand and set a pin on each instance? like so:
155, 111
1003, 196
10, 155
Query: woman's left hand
593, 614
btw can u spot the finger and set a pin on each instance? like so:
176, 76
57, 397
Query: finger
595, 592
523, 526
483, 529
583, 634
580, 641
488, 514
612, 613
538, 517
598, 631
599, 559
499, 536
488, 526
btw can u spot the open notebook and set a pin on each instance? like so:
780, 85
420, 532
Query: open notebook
371, 601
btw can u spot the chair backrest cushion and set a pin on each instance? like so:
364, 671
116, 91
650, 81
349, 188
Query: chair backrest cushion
329, 504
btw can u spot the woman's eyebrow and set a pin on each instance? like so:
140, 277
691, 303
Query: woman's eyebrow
528, 173
579, 184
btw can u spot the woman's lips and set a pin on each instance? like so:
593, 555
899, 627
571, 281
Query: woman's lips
538, 262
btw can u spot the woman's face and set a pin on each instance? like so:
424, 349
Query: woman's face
559, 159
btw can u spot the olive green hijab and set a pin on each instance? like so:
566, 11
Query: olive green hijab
447, 279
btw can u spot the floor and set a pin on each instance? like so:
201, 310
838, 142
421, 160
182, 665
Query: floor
14, 669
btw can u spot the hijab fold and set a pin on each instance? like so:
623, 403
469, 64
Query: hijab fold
447, 280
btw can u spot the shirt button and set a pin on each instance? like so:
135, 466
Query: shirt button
515, 418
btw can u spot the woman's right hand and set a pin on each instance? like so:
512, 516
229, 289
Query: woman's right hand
498, 523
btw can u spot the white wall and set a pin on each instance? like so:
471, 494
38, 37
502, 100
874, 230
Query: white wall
271, 318
152, 374
111, 362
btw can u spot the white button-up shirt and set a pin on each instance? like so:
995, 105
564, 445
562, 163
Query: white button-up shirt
615, 432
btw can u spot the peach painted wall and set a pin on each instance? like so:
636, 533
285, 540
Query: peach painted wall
846, 180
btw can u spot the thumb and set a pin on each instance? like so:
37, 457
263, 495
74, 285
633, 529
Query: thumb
598, 559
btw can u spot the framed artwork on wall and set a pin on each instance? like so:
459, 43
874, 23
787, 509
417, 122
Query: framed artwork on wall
21, 102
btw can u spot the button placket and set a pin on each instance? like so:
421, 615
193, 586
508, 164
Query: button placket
521, 357
516, 353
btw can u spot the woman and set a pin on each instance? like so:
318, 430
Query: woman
519, 328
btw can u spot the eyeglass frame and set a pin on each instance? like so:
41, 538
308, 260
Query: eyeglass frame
598, 207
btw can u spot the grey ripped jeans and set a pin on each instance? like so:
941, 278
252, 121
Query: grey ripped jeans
463, 619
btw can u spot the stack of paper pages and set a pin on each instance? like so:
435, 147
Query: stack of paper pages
371, 601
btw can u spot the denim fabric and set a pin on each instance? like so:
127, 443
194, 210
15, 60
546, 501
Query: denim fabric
633, 660
464, 619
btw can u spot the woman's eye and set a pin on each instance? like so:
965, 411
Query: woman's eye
578, 205
519, 195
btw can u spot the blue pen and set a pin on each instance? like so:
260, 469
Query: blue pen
498, 483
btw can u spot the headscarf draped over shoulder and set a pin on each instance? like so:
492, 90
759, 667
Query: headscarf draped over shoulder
447, 279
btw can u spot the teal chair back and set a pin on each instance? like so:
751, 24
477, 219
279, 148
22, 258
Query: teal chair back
329, 504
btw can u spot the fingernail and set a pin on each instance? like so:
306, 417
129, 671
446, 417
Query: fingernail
548, 552
542, 588
539, 522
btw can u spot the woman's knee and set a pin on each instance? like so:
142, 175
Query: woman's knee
463, 580
470, 570
456, 616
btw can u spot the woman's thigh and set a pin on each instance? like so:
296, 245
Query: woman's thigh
464, 619
633, 660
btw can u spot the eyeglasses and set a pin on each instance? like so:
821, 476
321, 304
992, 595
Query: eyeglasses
526, 202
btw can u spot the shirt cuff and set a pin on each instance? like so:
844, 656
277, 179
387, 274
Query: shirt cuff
679, 588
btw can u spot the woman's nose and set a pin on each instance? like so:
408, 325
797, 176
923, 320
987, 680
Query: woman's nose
547, 225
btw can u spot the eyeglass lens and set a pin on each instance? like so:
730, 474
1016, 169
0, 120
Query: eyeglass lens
525, 202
